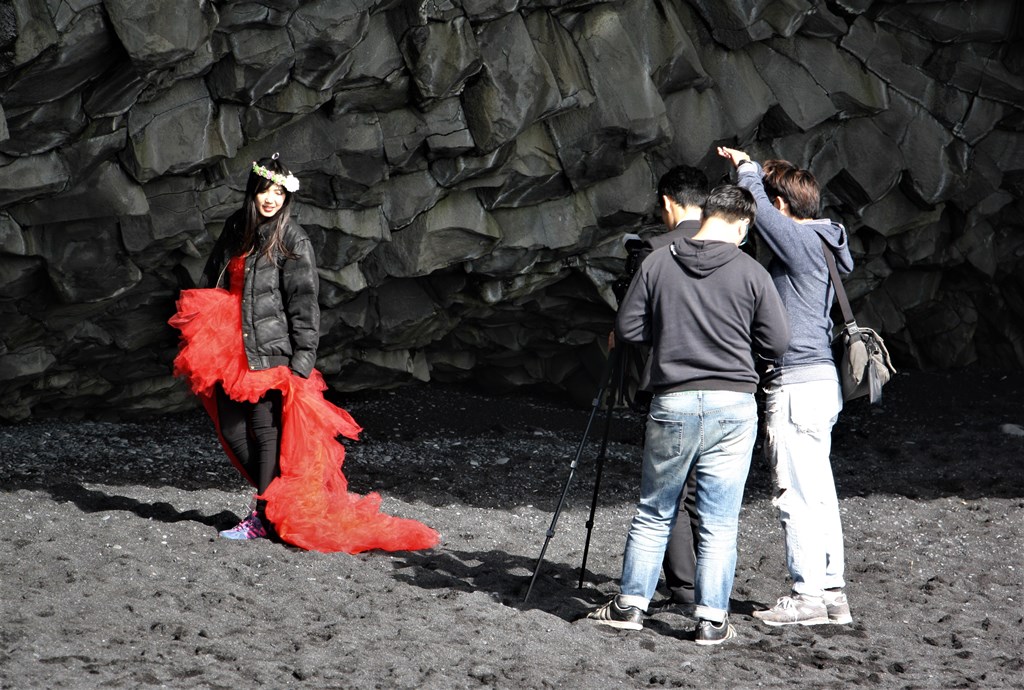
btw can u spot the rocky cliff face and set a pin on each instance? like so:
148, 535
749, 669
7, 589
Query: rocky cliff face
469, 168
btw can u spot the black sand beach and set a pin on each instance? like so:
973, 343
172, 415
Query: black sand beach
112, 574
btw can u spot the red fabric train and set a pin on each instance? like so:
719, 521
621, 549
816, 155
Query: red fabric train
309, 504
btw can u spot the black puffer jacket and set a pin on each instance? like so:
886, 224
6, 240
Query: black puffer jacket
280, 312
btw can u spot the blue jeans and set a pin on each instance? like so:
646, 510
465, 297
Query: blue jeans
711, 433
798, 439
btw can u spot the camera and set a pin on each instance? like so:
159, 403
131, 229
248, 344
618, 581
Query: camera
634, 248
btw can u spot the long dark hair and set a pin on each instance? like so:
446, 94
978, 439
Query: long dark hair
248, 235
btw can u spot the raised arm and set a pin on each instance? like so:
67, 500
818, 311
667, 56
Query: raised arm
776, 229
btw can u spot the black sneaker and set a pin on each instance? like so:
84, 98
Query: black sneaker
622, 617
709, 632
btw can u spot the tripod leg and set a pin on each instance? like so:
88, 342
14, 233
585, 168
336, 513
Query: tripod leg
606, 378
617, 384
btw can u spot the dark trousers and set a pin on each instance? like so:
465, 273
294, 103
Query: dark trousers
680, 562
253, 433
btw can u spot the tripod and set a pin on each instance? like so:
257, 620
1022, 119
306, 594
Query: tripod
613, 382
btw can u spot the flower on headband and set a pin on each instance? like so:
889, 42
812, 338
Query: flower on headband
289, 181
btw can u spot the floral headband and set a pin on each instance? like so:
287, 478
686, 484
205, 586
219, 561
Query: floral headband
289, 181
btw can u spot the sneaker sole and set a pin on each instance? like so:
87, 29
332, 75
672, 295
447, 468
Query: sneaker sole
620, 625
840, 620
806, 621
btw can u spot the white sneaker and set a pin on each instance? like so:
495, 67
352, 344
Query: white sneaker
798, 609
838, 607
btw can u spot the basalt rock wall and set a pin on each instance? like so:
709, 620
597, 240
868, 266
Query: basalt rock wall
469, 168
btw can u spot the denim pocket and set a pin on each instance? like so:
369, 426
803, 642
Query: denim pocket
664, 437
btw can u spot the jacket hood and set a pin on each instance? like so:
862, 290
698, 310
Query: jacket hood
836, 238
701, 258
833, 233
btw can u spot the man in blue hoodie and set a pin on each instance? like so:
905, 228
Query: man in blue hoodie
706, 309
802, 392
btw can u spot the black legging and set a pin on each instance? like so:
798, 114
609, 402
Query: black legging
681, 552
253, 433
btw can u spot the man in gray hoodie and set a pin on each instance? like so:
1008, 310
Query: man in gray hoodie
706, 309
802, 393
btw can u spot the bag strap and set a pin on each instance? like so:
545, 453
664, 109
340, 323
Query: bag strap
833, 271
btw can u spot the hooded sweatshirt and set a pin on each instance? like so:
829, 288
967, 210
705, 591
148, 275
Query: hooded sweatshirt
705, 308
800, 274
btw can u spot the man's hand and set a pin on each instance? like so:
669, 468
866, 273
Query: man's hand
735, 156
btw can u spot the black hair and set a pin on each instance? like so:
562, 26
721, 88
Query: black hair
248, 239
730, 203
685, 185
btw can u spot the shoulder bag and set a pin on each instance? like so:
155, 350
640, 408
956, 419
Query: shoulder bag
859, 352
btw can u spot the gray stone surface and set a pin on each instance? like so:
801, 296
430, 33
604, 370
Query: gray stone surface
34, 32
37, 129
671, 58
343, 237
802, 103
408, 317
83, 259
556, 46
743, 95
181, 131
456, 229
325, 35
441, 56
624, 201
32, 177
156, 38
11, 239
852, 89
627, 116
83, 50
735, 23
106, 192
19, 278
440, 130
538, 233
531, 173
259, 63
514, 89
404, 197
469, 168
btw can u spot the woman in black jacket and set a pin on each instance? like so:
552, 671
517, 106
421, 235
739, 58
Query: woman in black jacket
249, 339
280, 321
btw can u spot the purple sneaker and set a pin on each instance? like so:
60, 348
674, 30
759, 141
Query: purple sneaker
249, 528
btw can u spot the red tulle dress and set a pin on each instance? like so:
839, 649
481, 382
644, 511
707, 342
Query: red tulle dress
308, 504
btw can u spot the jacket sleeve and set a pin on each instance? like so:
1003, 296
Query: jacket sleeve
775, 229
300, 290
633, 323
770, 327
